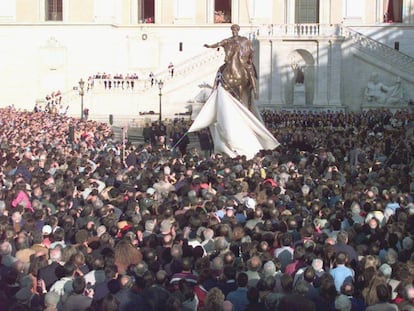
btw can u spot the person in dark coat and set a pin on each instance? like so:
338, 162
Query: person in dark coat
147, 133
77, 300
206, 143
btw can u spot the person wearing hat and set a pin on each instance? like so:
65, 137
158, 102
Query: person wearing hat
46, 232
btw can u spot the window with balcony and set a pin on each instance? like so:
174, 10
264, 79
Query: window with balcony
54, 10
393, 11
146, 11
306, 11
222, 11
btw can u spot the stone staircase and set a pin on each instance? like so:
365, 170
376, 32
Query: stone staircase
382, 55
127, 106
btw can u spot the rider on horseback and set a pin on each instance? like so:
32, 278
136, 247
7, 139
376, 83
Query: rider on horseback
243, 48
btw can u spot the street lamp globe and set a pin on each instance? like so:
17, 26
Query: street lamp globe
160, 84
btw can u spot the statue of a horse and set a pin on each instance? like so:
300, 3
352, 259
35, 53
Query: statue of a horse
236, 79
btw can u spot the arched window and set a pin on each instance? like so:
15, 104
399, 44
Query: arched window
306, 11
54, 10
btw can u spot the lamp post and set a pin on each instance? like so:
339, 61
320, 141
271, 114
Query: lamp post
160, 86
81, 93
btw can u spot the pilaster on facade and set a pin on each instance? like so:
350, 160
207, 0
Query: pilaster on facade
335, 67
322, 73
265, 70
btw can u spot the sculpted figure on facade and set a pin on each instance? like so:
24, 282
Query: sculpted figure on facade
377, 93
238, 74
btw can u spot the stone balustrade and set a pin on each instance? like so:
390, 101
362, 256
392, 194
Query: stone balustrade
380, 51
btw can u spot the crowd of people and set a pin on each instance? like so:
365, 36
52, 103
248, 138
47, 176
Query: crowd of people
323, 222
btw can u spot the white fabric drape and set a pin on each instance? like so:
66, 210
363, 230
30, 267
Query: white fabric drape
234, 129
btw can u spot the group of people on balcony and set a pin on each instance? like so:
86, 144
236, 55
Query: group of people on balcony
115, 81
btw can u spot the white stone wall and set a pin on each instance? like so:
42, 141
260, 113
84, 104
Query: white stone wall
37, 59
29, 61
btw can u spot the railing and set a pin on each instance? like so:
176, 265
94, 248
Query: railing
143, 84
298, 30
380, 51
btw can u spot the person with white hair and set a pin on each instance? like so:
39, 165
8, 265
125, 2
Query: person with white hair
343, 303
7, 258
356, 213
208, 242
47, 274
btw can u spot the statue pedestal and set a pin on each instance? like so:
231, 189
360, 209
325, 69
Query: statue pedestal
299, 98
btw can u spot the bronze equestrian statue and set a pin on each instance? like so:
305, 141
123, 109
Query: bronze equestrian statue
238, 74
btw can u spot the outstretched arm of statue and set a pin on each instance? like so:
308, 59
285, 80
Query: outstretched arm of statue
215, 45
